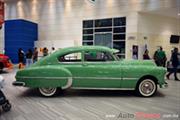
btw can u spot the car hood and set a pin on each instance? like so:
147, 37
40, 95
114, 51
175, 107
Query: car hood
138, 62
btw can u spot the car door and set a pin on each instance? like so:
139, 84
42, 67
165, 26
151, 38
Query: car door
72, 61
98, 70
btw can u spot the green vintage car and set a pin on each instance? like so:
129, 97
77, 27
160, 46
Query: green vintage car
91, 67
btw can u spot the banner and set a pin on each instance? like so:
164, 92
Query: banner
1, 12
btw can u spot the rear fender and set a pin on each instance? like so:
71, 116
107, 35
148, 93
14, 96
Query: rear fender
45, 76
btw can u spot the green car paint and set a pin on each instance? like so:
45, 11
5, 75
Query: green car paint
113, 74
44, 76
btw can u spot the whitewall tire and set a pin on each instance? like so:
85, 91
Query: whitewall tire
146, 88
48, 92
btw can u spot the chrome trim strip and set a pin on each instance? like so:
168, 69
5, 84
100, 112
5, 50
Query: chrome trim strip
129, 78
104, 78
78, 63
88, 88
99, 62
95, 78
89, 62
69, 83
24, 77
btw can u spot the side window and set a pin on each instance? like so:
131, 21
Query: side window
95, 56
71, 57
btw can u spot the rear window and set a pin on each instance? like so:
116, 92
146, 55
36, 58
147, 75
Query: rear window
70, 57
95, 56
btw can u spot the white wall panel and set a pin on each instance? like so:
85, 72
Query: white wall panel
61, 20
55, 43
158, 30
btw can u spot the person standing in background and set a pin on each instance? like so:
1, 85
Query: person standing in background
52, 50
146, 55
175, 63
45, 51
20, 58
135, 52
163, 57
35, 55
29, 58
160, 57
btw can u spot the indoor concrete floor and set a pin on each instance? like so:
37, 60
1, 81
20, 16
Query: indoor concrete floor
27, 104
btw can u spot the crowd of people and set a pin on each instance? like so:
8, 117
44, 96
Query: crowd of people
30, 56
160, 59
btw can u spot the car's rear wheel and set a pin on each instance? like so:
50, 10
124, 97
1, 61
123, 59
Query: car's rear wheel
48, 92
146, 88
6, 107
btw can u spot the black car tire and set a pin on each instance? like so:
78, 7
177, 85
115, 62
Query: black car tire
48, 92
6, 107
146, 87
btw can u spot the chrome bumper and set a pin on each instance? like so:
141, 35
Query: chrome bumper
16, 83
165, 85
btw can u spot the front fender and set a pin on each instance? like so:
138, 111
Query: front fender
132, 74
158, 73
45, 76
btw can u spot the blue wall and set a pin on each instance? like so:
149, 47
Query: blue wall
19, 33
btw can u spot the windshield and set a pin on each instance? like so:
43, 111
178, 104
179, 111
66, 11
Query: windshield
116, 56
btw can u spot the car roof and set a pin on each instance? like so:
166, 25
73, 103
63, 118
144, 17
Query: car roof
83, 48
67, 50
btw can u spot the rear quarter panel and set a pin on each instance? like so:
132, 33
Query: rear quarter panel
44, 76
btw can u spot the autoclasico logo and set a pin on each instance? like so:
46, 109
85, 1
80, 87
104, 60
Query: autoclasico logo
142, 115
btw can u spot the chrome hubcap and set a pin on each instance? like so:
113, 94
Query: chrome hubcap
48, 90
147, 87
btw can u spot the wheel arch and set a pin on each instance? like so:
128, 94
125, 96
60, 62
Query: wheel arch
153, 78
43, 75
147, 77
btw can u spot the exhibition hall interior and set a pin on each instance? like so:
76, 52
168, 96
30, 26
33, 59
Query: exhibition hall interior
89, 59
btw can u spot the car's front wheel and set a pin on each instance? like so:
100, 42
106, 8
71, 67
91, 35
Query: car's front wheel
146, 88
48, 92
